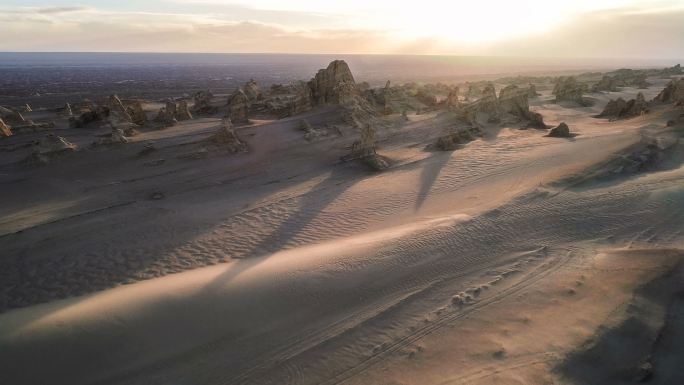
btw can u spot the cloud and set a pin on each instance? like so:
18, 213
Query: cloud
56, 10
625, 32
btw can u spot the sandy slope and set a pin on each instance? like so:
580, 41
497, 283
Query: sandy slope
475, 266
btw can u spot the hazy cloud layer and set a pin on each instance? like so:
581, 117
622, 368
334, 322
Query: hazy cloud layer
208, 27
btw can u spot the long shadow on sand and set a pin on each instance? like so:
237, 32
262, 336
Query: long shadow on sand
431, 169
312, 203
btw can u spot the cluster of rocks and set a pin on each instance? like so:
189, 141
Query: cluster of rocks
203, 103
568, 89
622, 109
672, 93
173, 112
511, 106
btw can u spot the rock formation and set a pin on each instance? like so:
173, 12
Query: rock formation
607, 84
454, 138
49, 147
89, 116
569, 89
621, 109
27, 108
5, 130
532, 91
334, 85
251, 89
511, 106
452, 99
473, 92
182, 112
167, 114
514, 101
673, 93
117, 111
561, 131
137, 113
116, 137
14, 117
227, 138
364, 150
202, 103
67, 111
238, 107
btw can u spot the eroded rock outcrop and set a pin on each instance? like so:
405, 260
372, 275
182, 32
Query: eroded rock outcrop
622, 109
97, 114
511, 106
456, 137
182, 111
672, 93
227, 138
238, 107
334, 84
137, 113
50, 147
607, 84
5, 130
202, 103
251, 89
364, 150
560, 131
568, 89
117, 136
117, 111
167, 115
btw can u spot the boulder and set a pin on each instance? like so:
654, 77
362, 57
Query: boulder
454, 138
561, 131
238, 107
5, 130
672, 93
227, 138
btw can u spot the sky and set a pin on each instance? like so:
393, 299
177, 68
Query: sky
532, 28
